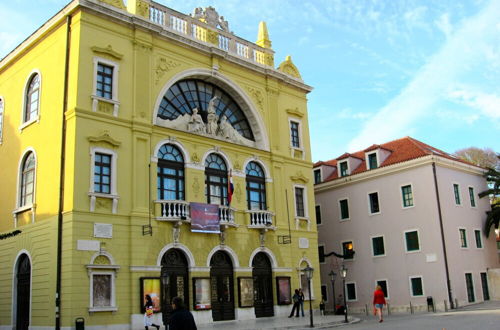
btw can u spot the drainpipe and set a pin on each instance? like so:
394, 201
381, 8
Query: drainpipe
448, 283
61, 175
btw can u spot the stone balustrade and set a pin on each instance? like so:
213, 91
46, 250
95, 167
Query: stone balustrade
261, 219
175, 210
226, 215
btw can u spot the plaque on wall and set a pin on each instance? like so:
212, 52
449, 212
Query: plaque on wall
103, 230
201, 290
303, 243
284, 290
245, 290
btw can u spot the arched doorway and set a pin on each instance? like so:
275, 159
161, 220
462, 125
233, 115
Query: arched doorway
221, 280
23, 289
174, 280
262, 285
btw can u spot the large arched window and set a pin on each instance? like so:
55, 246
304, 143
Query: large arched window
256, 187
216, 180
32, 99
188, 94
170, 179
27, 180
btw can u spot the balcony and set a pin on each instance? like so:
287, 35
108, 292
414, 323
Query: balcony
226, 216
174, 210
261, 219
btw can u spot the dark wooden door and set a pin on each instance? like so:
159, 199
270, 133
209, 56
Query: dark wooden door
262, 285
221, 278
484, 285
23, 293
470, 287
174, 281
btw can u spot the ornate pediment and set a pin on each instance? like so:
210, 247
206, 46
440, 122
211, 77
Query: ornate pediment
299, 177
289, 68
295, 112
104, 137
210, 16
107, 51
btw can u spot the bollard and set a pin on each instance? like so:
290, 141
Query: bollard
411, 308
445, 306
366, 309
388, 309
456, 303
79, 323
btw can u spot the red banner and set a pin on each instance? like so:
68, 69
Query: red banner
204, 218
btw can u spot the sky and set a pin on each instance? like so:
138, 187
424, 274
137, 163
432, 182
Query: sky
380, 69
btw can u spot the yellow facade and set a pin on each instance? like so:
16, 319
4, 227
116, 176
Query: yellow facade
147, 60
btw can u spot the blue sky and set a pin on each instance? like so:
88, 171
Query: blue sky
381, 69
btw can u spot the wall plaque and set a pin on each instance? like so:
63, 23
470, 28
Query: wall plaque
103, 230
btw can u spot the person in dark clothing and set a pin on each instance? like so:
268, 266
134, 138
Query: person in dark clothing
296, 304
181, 318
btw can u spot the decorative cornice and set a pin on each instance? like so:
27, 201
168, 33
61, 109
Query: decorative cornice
299, 177
164, 65
104, 137
295, 112
289, 68
257, 96
107, 51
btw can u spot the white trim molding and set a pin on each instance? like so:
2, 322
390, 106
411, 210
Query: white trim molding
113, 184
114, 93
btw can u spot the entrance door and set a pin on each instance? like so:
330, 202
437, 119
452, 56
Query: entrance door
262, 285
470, 287
23, 293
484, 284
174, 281
221, 280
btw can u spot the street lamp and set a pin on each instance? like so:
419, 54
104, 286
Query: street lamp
332, 275
308, 271
343, 274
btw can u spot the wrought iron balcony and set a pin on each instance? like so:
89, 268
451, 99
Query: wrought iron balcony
171, 210
261, 219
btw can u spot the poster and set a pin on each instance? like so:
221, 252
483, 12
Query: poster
151, 286
204, 218
284, 292
245, 289
201, 293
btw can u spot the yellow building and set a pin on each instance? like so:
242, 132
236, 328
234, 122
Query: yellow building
144, 151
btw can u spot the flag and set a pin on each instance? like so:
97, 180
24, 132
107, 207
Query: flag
230, 187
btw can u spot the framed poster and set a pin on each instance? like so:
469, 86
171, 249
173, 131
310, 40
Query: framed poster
201, 292
204, 218
152, 287
284, 290
245, 291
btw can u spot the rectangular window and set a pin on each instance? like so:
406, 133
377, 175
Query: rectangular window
347, 248
372, 161
294, 133
463, 238
383, 285
471, 196
299, 202
324, 292
318, 214
317, 176
479, 242
374, 205
470, 287
407, 196
343, 169
456, 191
484, 285
378, 246
321, 253
417, 288
412, 243
350, 289
344, 209
102, 173
104, 83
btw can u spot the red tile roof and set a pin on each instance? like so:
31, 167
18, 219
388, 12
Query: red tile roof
401, 150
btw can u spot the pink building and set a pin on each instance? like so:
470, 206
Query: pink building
414, 218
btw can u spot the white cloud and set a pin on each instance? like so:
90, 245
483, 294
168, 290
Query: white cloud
347, 113
443, 24
487, 104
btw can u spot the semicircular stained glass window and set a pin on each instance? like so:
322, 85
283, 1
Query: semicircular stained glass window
185, 95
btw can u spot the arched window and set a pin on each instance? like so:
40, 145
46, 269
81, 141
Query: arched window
216, 180
170, 179
32, 101
256, 187
27, 180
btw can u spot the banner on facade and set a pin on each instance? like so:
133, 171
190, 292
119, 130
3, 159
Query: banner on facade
204, 218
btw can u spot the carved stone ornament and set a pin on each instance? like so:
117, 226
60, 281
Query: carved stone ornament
210, 16
237, 192
195, 158
142, 8
163, 66
289, 68
257, 96
222, 237
299, 177
196, 187
115, 3
104, 137
295, 112
107, 51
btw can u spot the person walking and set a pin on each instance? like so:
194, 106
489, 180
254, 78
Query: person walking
148, 314
181, 318
379, 302
301, 300
296, 304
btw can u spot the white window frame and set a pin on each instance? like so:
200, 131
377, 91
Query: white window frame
386, 285
369, 203
320, 213
411, 287
102, 269
35, 119
373, 251
419, 241
473, 287
114, 92
304, 196
114, 191
468, 193
340, 209
459, 194
339, 168
402, 198
324, 262
342, 249
480, 237
18, 208
2, 111
460, 238
367, 155
355, 291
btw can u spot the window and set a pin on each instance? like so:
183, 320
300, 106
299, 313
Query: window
407, 194
383, 285
324, 292
27, 180
321, 253
470, 287
294, 134
216, 180
32, 99
103, 176
318, 214
344, 209
317, 176
378, 246
463, 237
347, 248
104, 83
1, 119
484, 285
350, 289
343, 169
256, 187
102, 284
102, 173
105, 86
412, 242
471, 197
372, 161
170, 173
374, 204
479, 242
299, 202
416, 286
456, 191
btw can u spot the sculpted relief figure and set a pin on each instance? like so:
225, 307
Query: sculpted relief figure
225, 128
212, 117
196, 124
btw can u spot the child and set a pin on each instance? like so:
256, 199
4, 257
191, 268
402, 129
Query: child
322, 307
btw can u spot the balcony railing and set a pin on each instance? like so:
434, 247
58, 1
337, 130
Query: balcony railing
261, 219
171, 210
226, 215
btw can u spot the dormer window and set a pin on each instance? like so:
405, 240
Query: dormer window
372, 161
343, 169
317, 176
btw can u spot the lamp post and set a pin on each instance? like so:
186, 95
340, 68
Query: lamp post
343, 274
308, 271
332, 275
